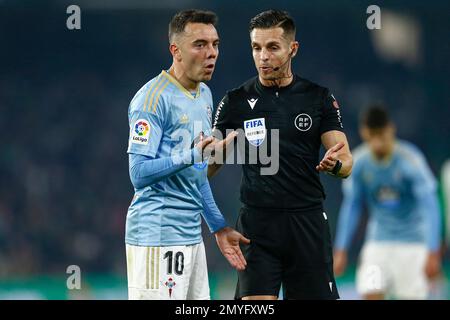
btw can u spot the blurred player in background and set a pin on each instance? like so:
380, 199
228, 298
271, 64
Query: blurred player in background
445, 181
402, 244
165, 252
283, 213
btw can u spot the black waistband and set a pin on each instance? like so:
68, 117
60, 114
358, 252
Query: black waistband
318, 208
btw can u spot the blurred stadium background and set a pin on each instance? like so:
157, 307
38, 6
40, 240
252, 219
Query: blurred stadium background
64, 95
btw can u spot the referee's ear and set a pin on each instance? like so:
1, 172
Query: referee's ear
294, 48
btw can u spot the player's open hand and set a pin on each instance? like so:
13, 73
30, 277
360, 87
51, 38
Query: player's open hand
433, 265
339, 262
228, 241
330, 158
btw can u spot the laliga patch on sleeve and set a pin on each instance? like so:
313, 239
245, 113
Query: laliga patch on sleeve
140, 132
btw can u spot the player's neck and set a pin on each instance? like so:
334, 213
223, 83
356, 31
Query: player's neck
180, 75
387, 157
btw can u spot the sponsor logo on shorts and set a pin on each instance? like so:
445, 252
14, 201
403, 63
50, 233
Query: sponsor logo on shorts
170, 284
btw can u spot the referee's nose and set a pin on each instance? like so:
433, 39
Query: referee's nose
264, 55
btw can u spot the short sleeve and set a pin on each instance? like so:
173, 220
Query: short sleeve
222, 117
331, 114
146, 128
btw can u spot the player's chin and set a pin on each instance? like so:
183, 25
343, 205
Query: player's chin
207, 76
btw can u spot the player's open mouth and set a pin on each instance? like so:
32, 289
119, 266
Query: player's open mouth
210, 67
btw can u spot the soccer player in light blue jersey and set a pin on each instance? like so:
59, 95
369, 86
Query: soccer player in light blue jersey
401, 249
170, 121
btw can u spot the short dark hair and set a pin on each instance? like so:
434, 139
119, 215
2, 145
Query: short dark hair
272, 19
375, 117
182, 18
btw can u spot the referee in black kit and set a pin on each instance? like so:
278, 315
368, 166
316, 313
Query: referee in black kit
282, 214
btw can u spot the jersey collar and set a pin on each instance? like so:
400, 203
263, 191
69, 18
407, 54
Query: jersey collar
274, 89
166, 74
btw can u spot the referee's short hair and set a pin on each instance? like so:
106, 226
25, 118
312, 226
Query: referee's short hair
375, 117
182, 18
272, 19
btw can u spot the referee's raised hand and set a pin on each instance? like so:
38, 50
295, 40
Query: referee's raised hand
203, 142
330, 158
212, 146
219, 145
228, 241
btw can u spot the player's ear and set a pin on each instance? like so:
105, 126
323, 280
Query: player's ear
175, 51
392, 128
364, 133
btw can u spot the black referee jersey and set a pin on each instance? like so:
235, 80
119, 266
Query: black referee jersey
302, 112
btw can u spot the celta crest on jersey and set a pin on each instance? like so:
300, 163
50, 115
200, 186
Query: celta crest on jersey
255, 131
209, 113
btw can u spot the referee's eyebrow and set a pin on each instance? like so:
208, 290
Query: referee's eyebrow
254, 43
271, 43
203, 41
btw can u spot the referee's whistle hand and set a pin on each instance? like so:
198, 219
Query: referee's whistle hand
204, 142
219, 145
330, 158
228, 241
210, 146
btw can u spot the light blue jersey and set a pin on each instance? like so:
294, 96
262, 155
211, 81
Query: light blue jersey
400, 194
164, 120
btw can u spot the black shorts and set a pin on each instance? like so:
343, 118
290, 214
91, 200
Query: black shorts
289, 248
